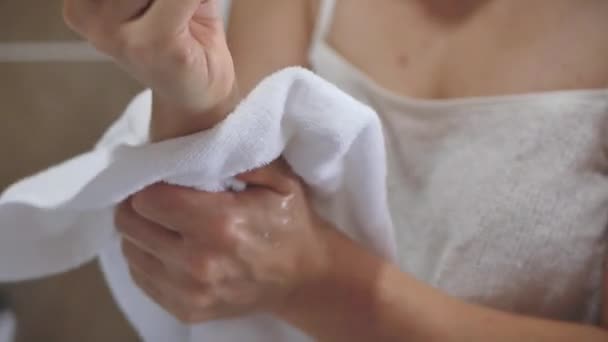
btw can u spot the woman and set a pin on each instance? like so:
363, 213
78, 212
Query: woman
496, 156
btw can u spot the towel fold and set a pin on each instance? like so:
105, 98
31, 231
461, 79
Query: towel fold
61, 218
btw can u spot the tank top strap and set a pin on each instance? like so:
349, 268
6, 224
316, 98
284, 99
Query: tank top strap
324, 20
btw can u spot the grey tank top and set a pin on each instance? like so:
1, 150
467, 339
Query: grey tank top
501, 201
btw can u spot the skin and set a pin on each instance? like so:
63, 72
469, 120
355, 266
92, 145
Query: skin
439, 49
178, 50
212, 256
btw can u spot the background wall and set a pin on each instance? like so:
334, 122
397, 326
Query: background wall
56, 98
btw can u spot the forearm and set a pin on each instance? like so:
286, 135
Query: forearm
367, 299
353, 303
475, 323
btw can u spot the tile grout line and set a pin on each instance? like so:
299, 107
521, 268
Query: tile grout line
53, 51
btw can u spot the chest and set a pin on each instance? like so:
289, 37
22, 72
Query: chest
484, 48
505, 208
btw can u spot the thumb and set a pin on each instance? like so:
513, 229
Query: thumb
276, 176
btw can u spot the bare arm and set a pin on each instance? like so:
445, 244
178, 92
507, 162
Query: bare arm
263, 37
267, 35
367, 299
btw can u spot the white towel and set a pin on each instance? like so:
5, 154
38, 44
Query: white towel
61, 218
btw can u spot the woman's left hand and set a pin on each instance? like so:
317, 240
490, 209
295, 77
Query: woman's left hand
206, 256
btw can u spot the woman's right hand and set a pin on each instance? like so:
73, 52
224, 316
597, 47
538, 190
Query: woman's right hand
177, 48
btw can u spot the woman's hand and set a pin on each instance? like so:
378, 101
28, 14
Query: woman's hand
212, 256
205, 256
177, 48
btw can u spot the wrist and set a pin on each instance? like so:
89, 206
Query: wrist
345, 294
364, 298
171, 120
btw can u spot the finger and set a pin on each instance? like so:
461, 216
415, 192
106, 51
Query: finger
149, 236
187, 305
183, 210
80, 14
175, 277
153, 289
276, 176
142, 260
172, 16
101, 21
122, 11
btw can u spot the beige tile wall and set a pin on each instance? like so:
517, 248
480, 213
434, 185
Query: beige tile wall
32, 20
50, 111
